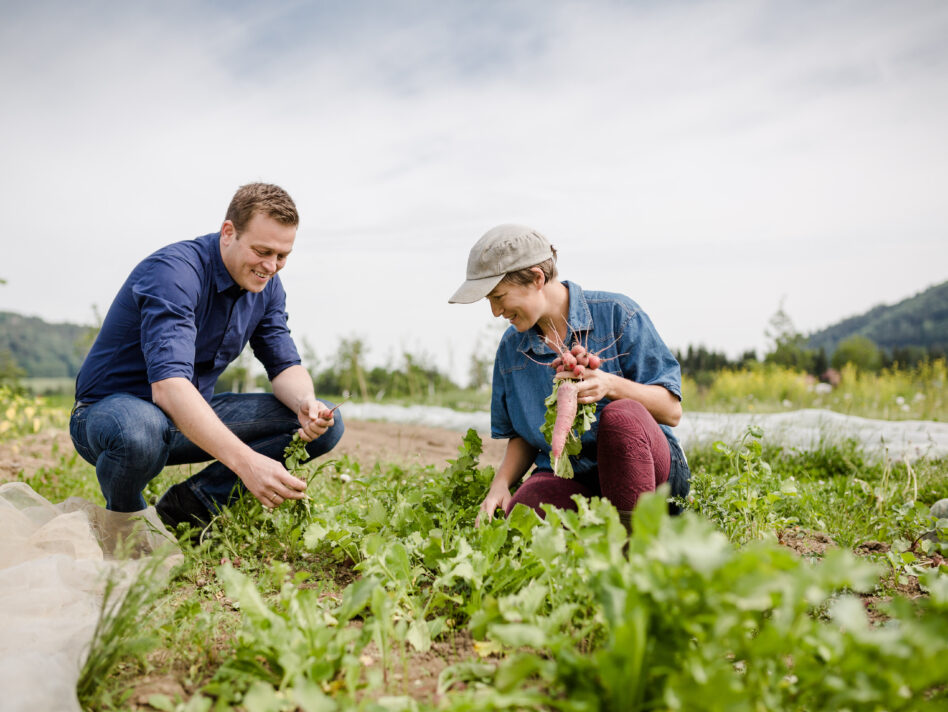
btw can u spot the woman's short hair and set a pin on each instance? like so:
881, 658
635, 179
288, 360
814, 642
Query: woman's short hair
524, 276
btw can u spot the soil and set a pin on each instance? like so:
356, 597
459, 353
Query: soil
21, 458
806, 542
366, 442
403, 444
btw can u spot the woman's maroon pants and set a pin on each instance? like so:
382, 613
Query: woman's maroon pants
633, 459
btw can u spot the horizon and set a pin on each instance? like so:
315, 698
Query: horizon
712, 161
257, 369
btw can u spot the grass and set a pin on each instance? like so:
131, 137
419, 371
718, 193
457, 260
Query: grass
892, 394
379, 594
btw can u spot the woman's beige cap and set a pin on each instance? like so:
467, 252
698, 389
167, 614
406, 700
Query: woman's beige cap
503, 249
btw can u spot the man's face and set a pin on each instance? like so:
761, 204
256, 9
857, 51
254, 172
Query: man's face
257, 253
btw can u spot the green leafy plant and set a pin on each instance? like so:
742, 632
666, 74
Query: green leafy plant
330, 603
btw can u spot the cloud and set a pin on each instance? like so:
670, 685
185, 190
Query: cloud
705, 158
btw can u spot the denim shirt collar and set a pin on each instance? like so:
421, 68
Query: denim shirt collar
580, 320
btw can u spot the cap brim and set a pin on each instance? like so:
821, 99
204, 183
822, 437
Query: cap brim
474, 290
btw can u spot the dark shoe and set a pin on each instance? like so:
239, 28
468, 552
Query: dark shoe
179, 505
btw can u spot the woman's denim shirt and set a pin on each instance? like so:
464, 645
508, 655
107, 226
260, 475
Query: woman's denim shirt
609, 324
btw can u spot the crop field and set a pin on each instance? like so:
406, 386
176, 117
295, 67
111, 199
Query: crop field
790, 581
919, 393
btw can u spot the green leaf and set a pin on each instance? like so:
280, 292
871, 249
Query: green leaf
523, 519
419, 635
355, 598
161, 702
261, 697
849, 613
517, 635
243, 590
308, 695
548, 543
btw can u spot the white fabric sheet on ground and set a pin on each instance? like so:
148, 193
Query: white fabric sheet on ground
794, 429
811, 429
54, 562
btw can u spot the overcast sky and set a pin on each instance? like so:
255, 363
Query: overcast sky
709, 159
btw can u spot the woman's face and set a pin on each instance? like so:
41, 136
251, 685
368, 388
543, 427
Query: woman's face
521, 305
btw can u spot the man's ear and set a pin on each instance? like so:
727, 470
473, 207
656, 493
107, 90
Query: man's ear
228, 232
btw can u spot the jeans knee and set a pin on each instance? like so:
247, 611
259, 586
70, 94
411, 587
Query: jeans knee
138, 440
145, 447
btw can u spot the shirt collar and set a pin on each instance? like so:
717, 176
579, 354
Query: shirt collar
222, 279
580, 320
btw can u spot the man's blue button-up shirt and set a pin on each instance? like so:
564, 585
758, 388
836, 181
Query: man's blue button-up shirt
180, 314
609, 324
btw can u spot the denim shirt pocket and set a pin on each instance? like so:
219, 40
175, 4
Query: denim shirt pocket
510, 366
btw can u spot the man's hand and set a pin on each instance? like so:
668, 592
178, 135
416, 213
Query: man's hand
266, 479
315, 419
293, 387
270, 482
497, 496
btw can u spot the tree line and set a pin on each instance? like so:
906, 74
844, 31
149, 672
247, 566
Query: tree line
791, 349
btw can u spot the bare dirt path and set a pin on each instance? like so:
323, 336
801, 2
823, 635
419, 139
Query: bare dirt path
404, 444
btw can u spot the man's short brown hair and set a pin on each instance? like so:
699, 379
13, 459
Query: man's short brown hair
270, 200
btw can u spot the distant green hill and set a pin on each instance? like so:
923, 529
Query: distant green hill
920, 321
41, 349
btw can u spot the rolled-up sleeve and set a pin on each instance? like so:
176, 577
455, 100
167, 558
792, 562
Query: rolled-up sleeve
645, 358
271, 341
166, 296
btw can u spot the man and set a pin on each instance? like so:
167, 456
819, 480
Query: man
145, 393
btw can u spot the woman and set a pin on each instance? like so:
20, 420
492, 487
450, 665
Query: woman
630, 449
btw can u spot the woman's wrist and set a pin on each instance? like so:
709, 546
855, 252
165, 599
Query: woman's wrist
616, 388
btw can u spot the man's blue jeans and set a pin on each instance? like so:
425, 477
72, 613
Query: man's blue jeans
130, 440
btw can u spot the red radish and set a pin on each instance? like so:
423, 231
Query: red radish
577, 358
333, 409
566, 406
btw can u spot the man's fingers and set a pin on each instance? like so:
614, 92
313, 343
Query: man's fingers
292, 487
277, 496
316, 427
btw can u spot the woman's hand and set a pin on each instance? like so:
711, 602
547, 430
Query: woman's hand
497, 496
594, 385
